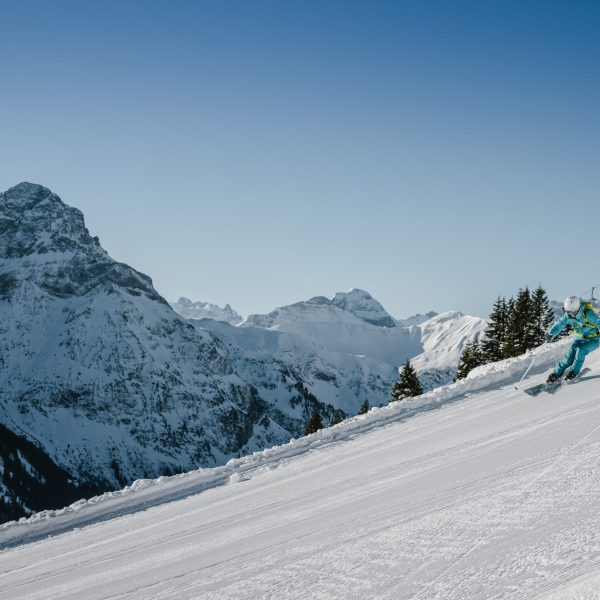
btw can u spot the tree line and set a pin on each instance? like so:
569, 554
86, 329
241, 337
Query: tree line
514, 326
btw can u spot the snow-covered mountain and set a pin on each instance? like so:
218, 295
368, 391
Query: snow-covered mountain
351, 308
356, 323
416, 319
493, 494
205, 310
443, 337
97, 369
110, 384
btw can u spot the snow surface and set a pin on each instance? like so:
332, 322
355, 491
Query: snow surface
474, 490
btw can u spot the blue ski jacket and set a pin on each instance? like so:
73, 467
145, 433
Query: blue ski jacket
586, 324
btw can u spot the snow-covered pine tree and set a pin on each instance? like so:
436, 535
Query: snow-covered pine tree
364, 409
541, 316
315, 423
472, 356
495, 332
408, 385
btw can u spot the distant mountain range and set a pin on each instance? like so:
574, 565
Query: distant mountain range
103, 382
354, 323
205, 310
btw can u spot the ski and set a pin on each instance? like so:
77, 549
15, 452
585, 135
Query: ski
579, 375
536, 390
552, 388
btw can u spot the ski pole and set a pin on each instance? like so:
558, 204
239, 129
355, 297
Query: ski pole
527, 371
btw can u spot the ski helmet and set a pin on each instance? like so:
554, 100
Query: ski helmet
572, 303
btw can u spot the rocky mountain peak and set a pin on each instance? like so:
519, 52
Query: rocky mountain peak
353, 306
33, 220
361, 304
26, 193
48, 245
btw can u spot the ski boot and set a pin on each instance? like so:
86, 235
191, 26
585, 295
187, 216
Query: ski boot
552, 377
571, 375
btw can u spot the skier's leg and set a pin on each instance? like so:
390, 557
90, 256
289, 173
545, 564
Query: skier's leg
583, 349
567, 360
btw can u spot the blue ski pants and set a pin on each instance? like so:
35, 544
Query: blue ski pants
576, 355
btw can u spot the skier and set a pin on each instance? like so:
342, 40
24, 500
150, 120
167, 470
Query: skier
586, 327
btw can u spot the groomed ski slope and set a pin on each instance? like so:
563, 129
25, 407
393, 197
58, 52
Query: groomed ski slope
474, 490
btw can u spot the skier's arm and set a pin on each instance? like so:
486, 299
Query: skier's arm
558, 326
593, 317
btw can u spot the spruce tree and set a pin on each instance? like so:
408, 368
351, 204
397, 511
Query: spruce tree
495, 332
408, 385
364, 409
519, 333
541, 316
472, 356
337, 418
315, 423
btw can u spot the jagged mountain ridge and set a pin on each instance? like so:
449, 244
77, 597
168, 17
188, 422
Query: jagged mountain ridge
205, 310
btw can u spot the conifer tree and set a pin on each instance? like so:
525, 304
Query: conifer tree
315, 423
541, 316
408, 385
337, 418
364, 409
519, 334
472, 356
495, 332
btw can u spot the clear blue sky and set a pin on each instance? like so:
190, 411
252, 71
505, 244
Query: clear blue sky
259, 153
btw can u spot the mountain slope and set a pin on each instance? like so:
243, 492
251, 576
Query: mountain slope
97, 369
31, 481
492, 494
